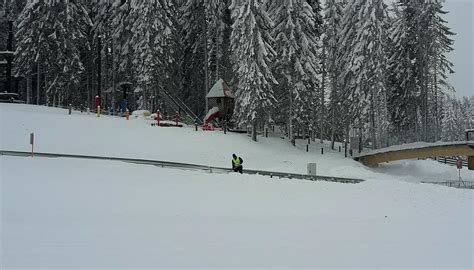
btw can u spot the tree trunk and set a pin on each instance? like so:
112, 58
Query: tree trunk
88, 85
28, 89
323, 86
254, 130
372, 118
290, 120
435, 85
38, 83
113, 73
206, 58
333, 116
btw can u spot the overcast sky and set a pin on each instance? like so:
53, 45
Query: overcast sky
460, 20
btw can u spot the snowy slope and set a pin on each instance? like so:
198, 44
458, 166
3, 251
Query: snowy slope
55, 131
62, 213
65, 213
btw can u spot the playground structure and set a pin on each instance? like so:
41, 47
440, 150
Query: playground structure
421, 150
219, 104
211, 115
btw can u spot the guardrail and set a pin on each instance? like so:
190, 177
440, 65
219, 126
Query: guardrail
455, 184
189, 166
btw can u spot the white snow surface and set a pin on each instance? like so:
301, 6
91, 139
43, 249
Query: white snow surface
64, 213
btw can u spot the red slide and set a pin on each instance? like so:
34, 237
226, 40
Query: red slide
211, 115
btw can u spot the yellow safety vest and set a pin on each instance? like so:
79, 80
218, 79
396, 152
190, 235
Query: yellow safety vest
237, 162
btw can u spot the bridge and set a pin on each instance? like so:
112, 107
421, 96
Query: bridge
419, 150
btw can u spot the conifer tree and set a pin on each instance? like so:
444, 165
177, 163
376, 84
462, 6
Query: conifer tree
252, 54
418, 62
332, 36
50, 32
193, 23
362, 62
151, 40
296, 42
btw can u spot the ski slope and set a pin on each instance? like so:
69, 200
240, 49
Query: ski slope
62, 213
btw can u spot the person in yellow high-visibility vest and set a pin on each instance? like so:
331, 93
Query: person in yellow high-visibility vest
237, 163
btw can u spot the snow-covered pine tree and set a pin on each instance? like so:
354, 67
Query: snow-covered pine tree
317, 10
440, 44
121, 24
12, 8
206, 30
252, 54
50, 32
296, 42
363, 59
151, 38
172, 76
349, 97
101, 13
9, 11
332, 16
370, 49
467, 113
194, 39
402, 98
454, 121
449, 123
419, 66
218, 33
471, 113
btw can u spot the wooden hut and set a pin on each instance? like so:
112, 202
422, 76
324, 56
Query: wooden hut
220, 96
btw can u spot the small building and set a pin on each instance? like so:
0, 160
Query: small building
220, 96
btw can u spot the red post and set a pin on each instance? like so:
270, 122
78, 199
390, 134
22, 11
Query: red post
32, 142
158, 117
97, 101
459, 163
459, 166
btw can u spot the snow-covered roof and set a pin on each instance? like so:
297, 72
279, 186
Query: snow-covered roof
412, 146
220, 89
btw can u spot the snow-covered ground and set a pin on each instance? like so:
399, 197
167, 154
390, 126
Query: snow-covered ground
101, 214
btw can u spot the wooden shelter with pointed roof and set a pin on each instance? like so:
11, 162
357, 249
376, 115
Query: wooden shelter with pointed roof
220, 96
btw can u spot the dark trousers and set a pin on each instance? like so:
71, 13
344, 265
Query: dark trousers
238, 169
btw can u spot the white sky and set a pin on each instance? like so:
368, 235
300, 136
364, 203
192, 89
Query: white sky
460, 20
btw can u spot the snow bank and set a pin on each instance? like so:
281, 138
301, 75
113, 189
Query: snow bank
61, 213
